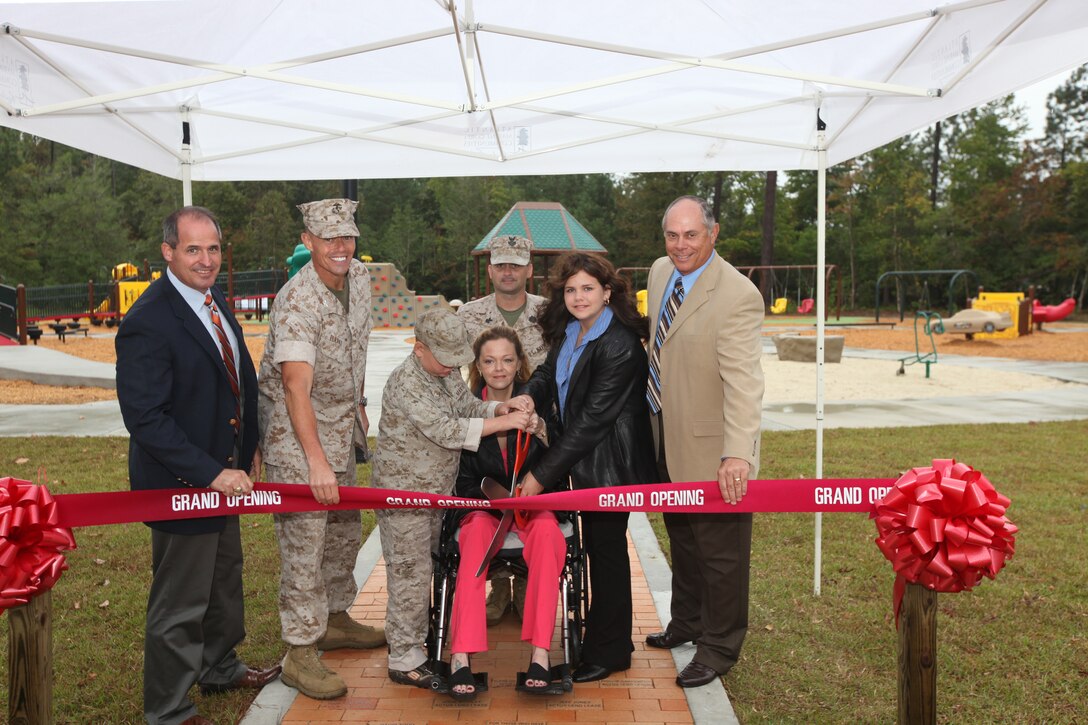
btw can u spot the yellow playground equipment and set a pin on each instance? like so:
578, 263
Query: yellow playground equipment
123, 270
779, 306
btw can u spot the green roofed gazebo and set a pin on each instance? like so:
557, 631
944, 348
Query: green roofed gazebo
551, 229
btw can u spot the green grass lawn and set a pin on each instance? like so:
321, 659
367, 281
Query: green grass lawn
1014, 650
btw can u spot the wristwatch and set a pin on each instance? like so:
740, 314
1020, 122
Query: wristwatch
362, 401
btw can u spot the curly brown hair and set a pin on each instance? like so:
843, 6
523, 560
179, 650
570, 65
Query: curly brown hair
554, 319
475, 380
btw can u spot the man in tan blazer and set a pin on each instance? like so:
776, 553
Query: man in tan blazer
705, 393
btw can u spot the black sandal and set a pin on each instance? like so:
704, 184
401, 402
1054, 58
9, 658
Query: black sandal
421, 676
462, 677
537, 672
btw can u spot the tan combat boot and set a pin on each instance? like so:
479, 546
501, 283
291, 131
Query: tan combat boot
343, 632
498, 601
304, 671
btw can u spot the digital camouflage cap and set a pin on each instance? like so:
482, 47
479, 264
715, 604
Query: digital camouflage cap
510, 249
446, 336
330, 218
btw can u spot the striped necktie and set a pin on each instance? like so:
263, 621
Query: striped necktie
653, 384
228, 355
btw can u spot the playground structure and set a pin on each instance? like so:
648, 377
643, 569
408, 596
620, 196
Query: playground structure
1013, 304
932, 325
976, 320
26, 311
780, 305
1023, 310
1041, 313
804, 302
553, 231
392, 303
925, 303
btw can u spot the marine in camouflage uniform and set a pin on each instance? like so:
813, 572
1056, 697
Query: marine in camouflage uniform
510, 291
326, 328
483, 314
428, 417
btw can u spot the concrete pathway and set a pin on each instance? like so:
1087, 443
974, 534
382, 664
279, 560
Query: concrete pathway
646, 693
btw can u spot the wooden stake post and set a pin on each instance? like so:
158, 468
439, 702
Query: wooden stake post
918, 657
30, 662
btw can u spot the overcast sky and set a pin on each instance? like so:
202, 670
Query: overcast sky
1034, 98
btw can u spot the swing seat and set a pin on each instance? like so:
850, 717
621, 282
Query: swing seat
806, 306
779, 306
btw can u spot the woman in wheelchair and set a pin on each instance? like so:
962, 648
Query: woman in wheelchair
500, 366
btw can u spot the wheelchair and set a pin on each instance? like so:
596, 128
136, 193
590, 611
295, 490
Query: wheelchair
573, 598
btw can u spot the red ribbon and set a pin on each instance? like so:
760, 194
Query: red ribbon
31, 542
943, 527
857, 495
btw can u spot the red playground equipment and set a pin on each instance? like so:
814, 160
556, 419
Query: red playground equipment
1041, 313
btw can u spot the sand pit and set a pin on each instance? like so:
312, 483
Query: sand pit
863, 379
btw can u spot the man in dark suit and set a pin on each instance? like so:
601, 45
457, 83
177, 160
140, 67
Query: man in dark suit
188, 394
705, 393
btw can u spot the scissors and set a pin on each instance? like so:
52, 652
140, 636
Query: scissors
495, 490
521, 452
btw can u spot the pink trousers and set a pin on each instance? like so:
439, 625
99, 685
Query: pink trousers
545, 551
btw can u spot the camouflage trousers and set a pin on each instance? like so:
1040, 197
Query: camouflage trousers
408, 537
318, 550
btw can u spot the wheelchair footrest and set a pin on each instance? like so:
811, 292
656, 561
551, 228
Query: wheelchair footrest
561, 682
441, 683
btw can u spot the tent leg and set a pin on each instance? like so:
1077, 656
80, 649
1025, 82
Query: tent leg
821, 308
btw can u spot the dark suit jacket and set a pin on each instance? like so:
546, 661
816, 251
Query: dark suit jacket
604, 438
176, 399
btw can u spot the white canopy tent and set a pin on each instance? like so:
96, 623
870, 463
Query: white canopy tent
257, 89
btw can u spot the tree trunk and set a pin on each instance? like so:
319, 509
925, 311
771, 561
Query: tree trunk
935, 164
719, 178
766, 255
1083, 287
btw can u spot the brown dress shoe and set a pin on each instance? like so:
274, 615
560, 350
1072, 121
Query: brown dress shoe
696, 675
197, 720
250, 679
665, 640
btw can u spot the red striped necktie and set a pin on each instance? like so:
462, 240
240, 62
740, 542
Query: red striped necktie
228, 355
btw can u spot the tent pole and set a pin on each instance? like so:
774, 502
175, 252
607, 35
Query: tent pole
186, 161
821, 306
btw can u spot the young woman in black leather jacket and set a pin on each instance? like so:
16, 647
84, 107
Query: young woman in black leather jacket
592, 391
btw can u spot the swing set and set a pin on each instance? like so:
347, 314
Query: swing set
804, 286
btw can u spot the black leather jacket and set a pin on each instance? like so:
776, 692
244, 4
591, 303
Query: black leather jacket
604, 439
487, 461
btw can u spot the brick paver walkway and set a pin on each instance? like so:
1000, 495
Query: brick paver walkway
647, 693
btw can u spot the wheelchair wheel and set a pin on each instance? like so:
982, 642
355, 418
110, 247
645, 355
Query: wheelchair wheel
576, 642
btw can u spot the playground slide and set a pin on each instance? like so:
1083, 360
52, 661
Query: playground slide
1052, 313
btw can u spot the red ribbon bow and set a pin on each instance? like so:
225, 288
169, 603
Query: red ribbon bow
31, 542
943, 527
